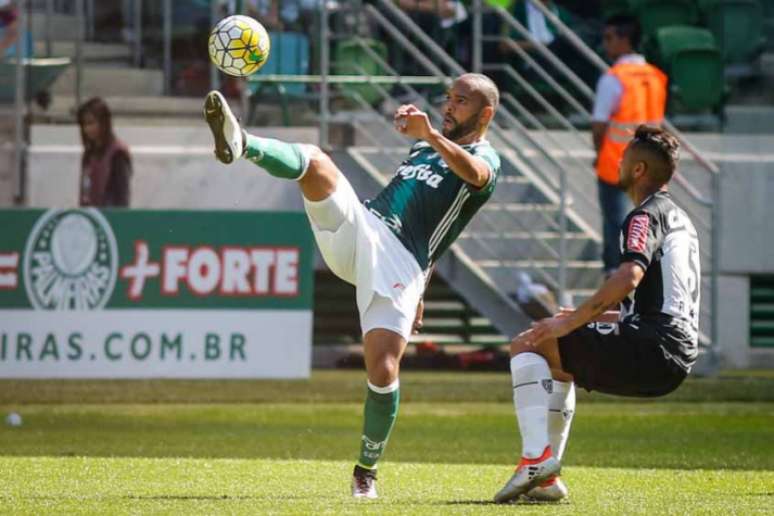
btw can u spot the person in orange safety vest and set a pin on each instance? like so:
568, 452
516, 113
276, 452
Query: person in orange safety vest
631, 93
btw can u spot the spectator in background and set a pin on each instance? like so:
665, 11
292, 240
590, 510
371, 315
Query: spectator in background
631, 93
543, 32
105, 165
11, 33
439, 19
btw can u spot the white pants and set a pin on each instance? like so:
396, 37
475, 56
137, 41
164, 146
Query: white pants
360, 249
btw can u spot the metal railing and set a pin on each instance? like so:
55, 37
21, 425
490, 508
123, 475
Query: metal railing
707, 165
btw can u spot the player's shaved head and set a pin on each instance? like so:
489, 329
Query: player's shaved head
484, 86
471, 102
658, 149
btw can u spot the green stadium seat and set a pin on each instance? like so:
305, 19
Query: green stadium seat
615, 7
655, 14
737, 26
689, 55
350, 58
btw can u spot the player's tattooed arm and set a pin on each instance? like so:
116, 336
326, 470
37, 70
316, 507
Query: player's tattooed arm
612, 292
413, 122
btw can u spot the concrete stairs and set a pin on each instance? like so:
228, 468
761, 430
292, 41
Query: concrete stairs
516, 231
107, 67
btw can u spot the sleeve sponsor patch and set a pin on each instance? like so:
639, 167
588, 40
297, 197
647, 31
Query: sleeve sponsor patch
637, 236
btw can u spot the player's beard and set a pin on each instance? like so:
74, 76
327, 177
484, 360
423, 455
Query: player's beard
461, 129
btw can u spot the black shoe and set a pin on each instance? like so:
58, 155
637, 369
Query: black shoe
229, 137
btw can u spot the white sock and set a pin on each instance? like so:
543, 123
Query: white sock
561, 408
532, 385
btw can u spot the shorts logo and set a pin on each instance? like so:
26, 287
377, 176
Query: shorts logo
70, 261
638, 233
548, 385
399, 286
604, 328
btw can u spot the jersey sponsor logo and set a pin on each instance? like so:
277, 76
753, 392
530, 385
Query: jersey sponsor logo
638, 233
422, 173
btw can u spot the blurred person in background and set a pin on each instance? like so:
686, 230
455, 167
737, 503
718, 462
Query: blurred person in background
631, 93
543, 32
441, 20
106, 165
11, 32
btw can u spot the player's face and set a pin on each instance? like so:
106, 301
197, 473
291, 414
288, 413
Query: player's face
461, 112
627, 171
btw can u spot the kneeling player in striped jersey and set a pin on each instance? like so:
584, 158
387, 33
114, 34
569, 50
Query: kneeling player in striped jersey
386, 246
645, 350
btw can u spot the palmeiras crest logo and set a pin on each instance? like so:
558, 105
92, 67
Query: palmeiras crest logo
70, 261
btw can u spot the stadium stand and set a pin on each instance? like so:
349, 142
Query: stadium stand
738, 28
290, 56
691, 58
655, 14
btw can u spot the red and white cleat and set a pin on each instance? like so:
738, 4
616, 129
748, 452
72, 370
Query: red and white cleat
552, 490
364, 483
529, 473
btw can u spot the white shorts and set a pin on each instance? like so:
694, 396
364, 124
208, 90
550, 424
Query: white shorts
360, 249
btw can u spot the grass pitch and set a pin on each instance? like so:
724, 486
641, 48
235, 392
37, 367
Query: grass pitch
288, 447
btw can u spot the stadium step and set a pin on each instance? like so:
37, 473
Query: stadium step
108, 81
541, 245
581, 274
448, 319
112, 54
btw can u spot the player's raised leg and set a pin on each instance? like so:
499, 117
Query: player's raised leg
316, 174
532, 376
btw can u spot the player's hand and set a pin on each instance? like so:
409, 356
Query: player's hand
409, 120
418, 322
552, 327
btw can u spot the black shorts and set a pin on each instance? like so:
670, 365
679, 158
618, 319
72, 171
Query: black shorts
621, 359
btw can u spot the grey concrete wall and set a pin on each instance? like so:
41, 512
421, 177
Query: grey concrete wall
734, 312
746, 248
173, 168
747, 218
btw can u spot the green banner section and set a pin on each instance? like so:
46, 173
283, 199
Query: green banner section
88, 259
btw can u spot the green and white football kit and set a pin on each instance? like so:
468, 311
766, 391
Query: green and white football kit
386, 246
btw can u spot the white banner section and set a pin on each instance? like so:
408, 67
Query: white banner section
156, 344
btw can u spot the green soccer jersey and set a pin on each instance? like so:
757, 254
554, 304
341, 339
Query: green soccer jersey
427, 205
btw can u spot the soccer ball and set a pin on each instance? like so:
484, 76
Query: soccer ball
239, 45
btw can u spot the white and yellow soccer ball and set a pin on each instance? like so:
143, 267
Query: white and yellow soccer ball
239, 45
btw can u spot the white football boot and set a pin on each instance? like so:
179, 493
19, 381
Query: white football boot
229, 137
364, 483
552, 490
529, 473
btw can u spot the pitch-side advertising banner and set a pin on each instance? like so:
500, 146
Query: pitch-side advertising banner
86, 293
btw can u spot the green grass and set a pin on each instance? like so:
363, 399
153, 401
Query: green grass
132, 447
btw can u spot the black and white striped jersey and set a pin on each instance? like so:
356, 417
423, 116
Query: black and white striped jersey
660, 237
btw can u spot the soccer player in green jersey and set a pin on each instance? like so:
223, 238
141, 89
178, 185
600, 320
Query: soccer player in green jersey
386, 246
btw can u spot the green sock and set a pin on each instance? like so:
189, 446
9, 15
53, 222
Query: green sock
280, 159
381, 409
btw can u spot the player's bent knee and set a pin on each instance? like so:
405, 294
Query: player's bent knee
384, 371
319, 162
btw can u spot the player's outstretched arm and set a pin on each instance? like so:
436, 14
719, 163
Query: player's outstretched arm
413, 122
613, 291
